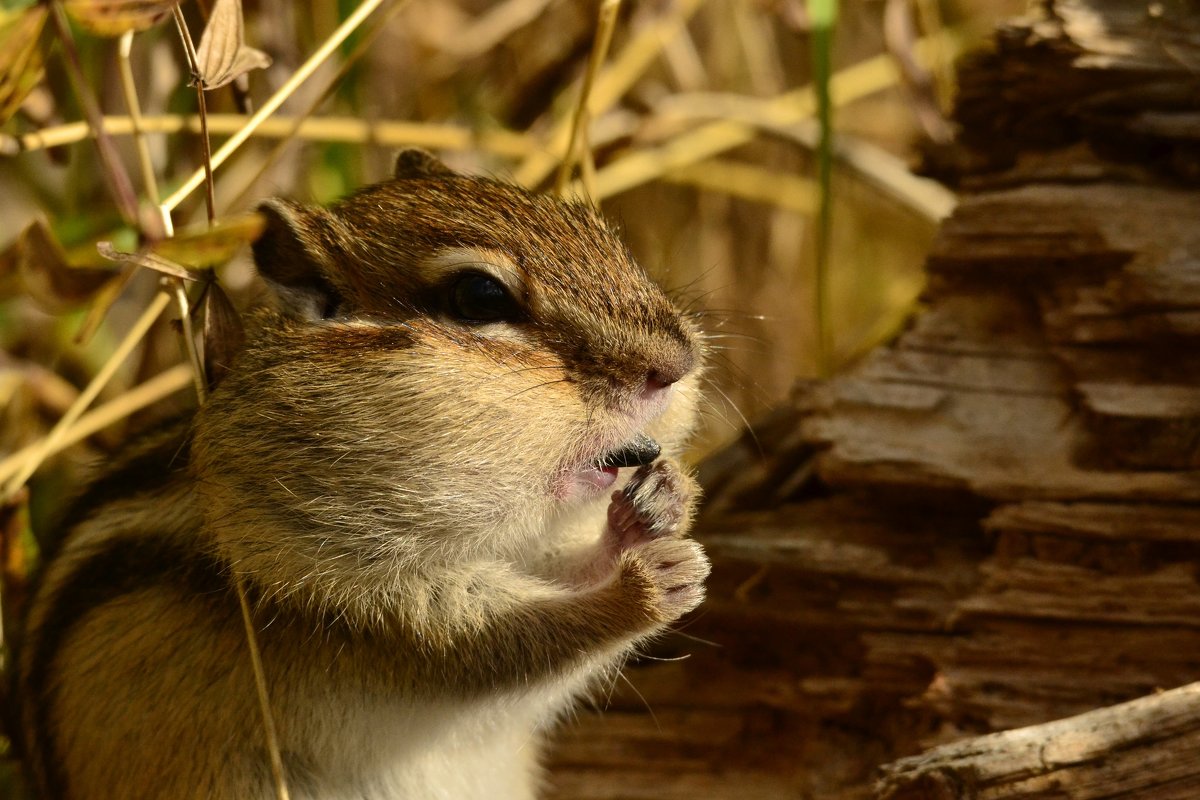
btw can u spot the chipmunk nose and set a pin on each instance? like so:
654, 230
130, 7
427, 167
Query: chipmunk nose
667, 369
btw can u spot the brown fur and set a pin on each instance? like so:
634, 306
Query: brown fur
399, 492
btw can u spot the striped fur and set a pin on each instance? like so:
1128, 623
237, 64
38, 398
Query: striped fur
406, 500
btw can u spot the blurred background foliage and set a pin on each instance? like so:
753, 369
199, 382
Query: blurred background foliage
778, 208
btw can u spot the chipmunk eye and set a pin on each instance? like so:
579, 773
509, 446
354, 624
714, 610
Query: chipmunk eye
479, 298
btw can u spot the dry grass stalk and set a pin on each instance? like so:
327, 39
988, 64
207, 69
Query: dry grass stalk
361, 49
188, 334
302, 74
126, 404
789, 108
749, 182
129, 90
604, 30
264, 699
868, 161
625, 69
62, 428
350, 130
189, 49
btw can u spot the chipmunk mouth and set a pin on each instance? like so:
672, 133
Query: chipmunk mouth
642, 450
601, 474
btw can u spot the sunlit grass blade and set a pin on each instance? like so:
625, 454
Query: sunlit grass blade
822, 16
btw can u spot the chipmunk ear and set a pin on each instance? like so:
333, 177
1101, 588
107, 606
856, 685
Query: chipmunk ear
290, 256
414, 162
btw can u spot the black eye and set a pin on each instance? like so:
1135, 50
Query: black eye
479, 298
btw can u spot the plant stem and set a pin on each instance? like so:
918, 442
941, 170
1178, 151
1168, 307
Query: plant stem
625, 69
124, 405
260, 682
605, 24
129, 89
114, 171
60, 429
351, 130
305, 71
189, 49
822, 15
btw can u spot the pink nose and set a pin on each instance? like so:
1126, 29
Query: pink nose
656, 381
666, 371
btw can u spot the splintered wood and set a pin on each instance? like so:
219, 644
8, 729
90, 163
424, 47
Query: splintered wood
994, 521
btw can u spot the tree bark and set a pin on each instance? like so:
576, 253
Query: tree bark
992, 522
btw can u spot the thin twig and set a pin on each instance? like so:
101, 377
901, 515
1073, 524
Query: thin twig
587, 159
899, 33
189, 339
940, 62
264, 698
303, 73
114, 171
605, 24
189, 49
189, 344
129, 89
122, 351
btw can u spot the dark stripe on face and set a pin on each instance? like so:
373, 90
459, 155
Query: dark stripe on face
122, 567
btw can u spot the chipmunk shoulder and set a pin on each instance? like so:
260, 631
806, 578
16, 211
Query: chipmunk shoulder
443, 470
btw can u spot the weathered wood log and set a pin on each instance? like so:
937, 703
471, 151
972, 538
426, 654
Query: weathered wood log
1146, 748
994, 521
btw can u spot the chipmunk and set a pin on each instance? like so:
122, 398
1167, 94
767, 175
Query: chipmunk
442, 468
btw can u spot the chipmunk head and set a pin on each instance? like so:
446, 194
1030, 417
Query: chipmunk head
454, 359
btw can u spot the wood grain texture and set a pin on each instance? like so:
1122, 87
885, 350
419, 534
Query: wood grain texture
994, 521
1146, 748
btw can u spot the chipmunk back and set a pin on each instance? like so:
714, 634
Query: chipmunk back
443, 469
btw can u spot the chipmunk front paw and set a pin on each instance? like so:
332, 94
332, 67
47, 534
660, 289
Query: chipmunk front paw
657, 502
646, 523
668, 575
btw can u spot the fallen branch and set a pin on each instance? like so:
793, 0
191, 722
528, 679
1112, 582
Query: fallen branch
1146, 748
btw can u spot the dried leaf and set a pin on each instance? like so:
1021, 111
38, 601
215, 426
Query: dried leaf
206, 246
223, 54
49, 276
115, 17
147, 260
21, 57
223, 333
